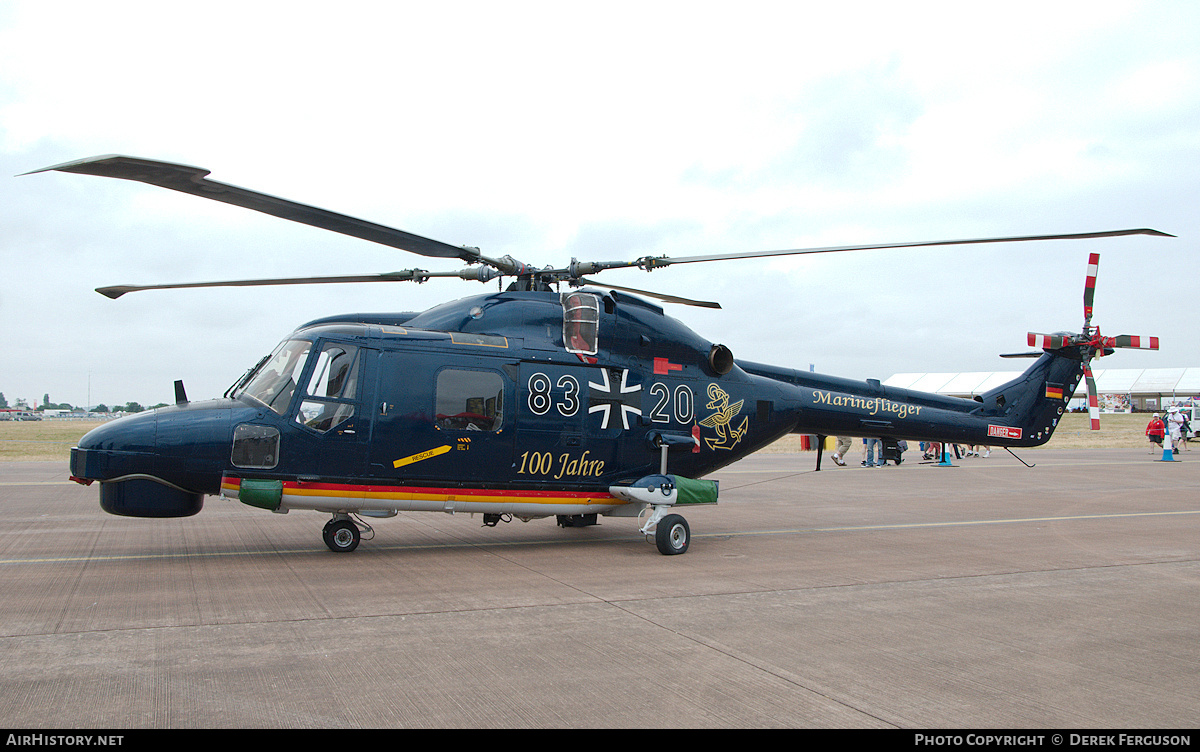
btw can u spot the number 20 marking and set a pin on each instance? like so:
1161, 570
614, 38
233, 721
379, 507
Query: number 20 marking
683, 403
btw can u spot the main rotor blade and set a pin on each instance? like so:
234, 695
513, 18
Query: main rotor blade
192, 180
659, 296
408, 275
654, 263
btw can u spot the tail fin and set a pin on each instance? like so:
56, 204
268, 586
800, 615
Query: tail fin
1033, 403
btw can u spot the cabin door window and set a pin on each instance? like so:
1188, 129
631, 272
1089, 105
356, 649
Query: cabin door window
581, 322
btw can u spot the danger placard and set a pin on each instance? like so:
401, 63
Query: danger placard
1004, 432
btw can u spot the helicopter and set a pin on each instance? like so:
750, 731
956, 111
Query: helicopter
531, 402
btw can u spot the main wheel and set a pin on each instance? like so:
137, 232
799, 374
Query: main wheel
342, 536
672, 535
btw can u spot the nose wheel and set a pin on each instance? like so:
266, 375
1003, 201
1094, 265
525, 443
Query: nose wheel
341, 535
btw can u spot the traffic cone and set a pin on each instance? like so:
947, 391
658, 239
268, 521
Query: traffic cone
945, 461
1168, 454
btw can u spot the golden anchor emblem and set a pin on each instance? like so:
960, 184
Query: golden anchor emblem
720, 421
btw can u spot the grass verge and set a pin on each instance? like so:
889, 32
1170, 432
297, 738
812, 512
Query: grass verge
51, 440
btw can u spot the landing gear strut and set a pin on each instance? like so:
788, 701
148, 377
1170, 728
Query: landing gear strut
670, 531
657, 495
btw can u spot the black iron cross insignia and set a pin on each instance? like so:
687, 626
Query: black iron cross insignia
623, 399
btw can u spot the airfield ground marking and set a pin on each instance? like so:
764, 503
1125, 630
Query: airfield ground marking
38, 483
608, 539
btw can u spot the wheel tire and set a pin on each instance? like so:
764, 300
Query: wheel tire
342, 536
672, 535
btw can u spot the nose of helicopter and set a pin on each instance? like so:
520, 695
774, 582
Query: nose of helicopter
159, 463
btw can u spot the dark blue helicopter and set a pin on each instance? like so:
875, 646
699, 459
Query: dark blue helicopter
524, 403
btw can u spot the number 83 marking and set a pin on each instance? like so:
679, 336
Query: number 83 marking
540, 400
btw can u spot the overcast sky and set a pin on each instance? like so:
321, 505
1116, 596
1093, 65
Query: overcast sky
599, 131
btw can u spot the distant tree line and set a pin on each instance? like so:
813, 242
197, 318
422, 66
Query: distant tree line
22, 404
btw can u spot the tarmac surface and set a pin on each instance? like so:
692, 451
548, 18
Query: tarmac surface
986, 595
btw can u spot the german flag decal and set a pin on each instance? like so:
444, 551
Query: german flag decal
1054, 391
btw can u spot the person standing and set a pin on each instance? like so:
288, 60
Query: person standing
871, 448
1175, 425
839, 451
1154, 431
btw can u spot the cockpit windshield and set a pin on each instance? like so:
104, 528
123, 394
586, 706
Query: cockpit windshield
275, 381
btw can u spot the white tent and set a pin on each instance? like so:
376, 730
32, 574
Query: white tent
1141, 384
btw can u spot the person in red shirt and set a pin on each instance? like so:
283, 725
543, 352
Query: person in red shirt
1155, 431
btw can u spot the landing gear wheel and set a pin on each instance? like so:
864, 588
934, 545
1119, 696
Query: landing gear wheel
672, 535
342, 536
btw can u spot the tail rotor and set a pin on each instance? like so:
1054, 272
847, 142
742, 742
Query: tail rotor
1094, 344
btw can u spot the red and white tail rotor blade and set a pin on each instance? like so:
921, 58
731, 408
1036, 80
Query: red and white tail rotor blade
1092, 399
1048, 341
1089, 288
1135, 341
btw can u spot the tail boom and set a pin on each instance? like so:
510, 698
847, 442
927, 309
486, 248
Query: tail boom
1021, 413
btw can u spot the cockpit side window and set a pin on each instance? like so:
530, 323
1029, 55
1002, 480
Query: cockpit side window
334, 374
581, 322
331, 389
275, 382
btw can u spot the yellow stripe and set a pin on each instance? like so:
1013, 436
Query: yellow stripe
422, 456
